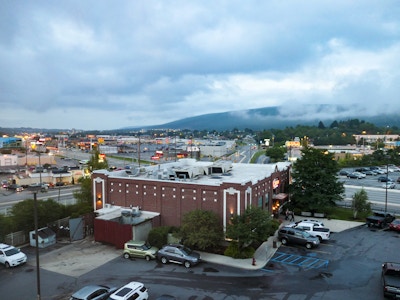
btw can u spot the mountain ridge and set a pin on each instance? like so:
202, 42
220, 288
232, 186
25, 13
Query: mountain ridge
275, 117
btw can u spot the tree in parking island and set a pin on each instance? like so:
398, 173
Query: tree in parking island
315, 186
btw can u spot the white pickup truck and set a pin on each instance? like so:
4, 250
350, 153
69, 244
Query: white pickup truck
316, 230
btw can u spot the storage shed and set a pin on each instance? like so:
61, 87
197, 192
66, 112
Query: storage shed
46, 237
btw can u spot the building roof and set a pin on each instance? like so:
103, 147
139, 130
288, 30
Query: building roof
200, 172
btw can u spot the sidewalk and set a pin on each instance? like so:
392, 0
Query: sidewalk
267, 250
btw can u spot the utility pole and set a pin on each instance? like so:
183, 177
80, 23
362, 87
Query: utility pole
35, 211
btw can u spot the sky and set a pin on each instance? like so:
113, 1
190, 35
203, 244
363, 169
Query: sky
99, 65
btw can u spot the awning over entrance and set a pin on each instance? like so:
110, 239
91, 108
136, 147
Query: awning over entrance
280, 196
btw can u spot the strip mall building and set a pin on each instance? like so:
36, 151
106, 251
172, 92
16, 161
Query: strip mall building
164, 193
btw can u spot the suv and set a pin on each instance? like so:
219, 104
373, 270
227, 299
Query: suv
139, 249
11, 256
132, 290
179, 254
290, 235
320, 232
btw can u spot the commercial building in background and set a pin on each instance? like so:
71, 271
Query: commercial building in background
165, 193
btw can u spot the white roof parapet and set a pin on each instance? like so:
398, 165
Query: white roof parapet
205, 172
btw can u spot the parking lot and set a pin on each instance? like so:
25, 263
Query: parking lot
370, 180
346, 267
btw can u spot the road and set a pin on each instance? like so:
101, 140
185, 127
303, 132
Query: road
376, 193
63, 195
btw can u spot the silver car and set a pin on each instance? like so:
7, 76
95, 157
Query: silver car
93, 292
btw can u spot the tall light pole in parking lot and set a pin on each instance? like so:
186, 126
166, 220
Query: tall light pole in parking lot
386, 184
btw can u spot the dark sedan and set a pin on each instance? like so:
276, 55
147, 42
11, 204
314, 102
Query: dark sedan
384, 179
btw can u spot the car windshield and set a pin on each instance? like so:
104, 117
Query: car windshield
393, 273
186, 250
146, 246
11, 252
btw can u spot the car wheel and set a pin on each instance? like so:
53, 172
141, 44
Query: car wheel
164, 260
320, 239
7, 264
148, 258
308, 246
126, 255
284, 241
187, 264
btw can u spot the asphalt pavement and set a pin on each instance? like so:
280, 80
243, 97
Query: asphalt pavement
79, 257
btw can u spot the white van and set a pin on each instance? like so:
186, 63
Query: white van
11, 256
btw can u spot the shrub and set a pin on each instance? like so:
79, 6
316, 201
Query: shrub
158, 236
234, 251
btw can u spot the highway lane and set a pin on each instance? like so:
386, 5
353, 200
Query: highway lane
377, 197
64, 195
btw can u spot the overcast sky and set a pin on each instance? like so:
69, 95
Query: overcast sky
112, 64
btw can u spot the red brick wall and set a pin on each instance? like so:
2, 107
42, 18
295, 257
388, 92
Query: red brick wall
172, 199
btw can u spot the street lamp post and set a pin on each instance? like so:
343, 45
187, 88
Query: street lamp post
386, 185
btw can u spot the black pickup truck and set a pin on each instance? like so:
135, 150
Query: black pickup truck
380, 219
391, 279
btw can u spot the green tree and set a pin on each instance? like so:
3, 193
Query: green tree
95, 162
360, 203
5, 226
84, 197
201, 229
85, 194
47, 211
315, 185
253, 227
276, 153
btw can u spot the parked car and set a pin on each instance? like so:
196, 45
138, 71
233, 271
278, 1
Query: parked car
380, 171
289, 235
370, 173
140, 249
93, 292
344, 173
179, 254
395, 225
398, 179
320, 232
384, 179
4, 184
132, 290
380, 219
15, 187
390, 278
60, 183
389, 185
11, 256
356, 175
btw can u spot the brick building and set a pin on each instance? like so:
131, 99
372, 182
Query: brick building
172, 189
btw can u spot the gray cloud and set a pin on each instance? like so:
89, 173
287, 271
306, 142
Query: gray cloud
93, 65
